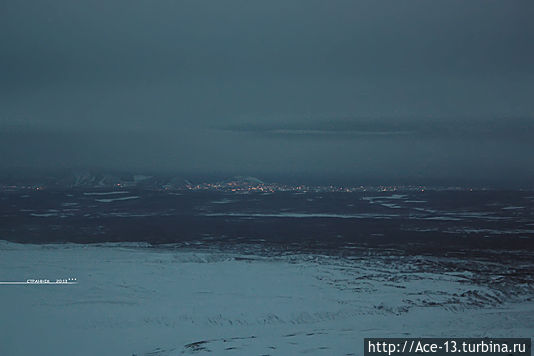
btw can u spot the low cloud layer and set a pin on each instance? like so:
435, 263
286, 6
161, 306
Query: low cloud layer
352, 89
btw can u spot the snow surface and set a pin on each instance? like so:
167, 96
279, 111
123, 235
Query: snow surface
135, 300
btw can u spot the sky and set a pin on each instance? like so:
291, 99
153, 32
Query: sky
384, 91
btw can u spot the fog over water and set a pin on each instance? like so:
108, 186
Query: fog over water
341, 90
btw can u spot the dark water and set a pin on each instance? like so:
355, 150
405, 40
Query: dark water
438, 222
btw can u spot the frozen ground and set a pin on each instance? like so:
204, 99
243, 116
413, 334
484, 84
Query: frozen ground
137, 300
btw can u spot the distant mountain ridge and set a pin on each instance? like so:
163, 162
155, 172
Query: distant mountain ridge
243, 180
90, 179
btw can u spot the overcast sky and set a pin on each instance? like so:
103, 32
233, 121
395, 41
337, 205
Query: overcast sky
357, 90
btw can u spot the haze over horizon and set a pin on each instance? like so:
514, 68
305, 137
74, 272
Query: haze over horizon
334, 91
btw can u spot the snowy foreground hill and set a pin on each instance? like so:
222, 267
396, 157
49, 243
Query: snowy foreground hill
137, 300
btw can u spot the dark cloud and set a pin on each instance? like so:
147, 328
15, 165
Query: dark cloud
469, 128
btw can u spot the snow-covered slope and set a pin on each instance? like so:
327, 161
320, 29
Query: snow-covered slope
134, 300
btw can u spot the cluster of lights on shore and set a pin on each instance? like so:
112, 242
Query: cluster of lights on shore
244, 187
276, 187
